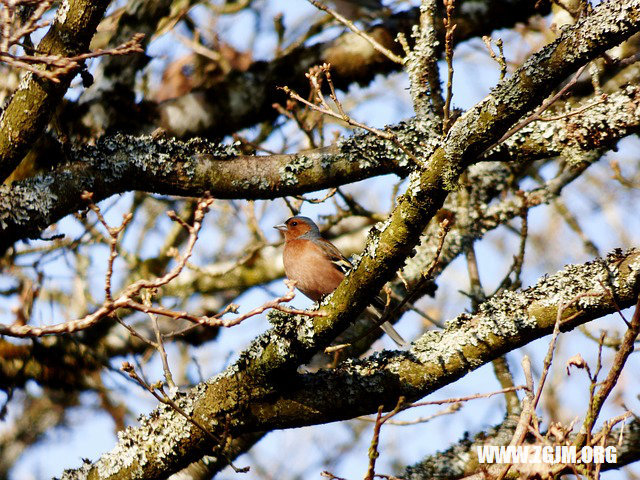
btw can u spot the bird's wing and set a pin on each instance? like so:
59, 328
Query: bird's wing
339, 261
378, 304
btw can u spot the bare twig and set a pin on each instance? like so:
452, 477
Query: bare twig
330, 193
577, 111
454, 407
160, 347
526, 415
373, 448
324, 108
158, 392
330, 476
114, 233
498, 58
518, 260
349, 24
315, 76
556, 331
466, 398
617, 175
447, 401
536, 115
15, 28
217, 321
450, 28
626, 348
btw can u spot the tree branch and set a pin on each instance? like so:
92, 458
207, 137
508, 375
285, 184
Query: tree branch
33, 103
460, 461
243, 99
165, 442
123, 163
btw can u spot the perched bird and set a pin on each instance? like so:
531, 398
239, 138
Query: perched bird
317, 266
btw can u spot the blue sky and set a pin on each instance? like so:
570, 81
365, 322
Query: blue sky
90, 432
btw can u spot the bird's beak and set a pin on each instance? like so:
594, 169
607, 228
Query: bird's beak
282, 227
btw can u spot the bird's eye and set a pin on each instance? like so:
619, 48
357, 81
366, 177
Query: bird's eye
293, 224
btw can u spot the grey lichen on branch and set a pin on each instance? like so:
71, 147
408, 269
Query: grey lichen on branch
469, 136
226, 106
121, 163
116, 164
251, 396
31, 106
607, 26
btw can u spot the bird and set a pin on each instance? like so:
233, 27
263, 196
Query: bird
318, 267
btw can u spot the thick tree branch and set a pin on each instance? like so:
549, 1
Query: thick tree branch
243, 99
576, 139
165, 441
121, 163
460, 461
392, 243
33, 103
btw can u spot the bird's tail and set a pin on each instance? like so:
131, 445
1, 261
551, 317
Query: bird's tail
393, 333
376, 311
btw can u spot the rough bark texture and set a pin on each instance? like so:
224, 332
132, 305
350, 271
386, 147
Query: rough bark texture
251, 395
264, 390
31, 106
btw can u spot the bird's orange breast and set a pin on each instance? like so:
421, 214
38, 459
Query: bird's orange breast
315, 275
